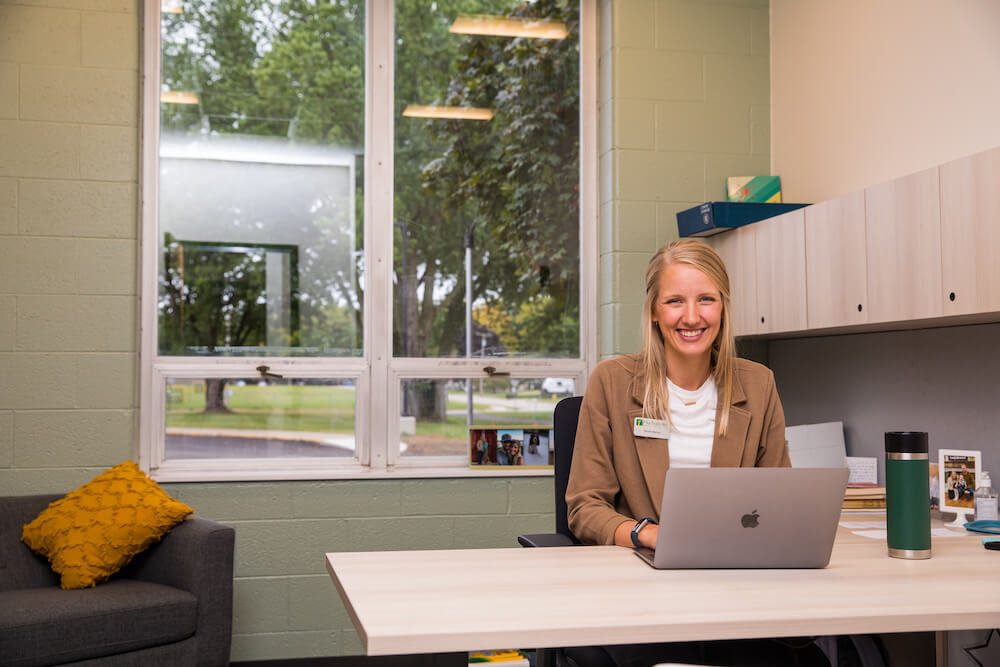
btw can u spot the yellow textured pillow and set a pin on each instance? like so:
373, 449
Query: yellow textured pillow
96, 530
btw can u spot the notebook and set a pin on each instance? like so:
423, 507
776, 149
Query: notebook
748, 518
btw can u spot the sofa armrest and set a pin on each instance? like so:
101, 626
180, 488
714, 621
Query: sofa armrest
546, 540
196, 556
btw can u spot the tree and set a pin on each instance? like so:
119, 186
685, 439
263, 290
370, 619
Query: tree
294, 69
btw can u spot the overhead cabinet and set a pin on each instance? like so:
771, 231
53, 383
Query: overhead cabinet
836, 262
924, 247
903, 243
970, 234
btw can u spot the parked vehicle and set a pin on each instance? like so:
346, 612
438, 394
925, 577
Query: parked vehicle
558, 387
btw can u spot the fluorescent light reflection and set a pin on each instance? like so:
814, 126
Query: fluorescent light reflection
456, 113
498, 26
178, 97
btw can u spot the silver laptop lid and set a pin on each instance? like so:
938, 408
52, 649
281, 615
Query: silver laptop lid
749, 517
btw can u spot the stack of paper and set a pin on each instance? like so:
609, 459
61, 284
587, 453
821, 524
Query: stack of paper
864, 495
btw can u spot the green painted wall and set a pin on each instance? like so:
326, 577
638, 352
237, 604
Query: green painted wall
683, 103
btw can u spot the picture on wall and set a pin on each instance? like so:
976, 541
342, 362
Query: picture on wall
958, 472
527, 446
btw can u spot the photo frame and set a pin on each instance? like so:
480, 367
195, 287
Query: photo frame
504, 446
959, 472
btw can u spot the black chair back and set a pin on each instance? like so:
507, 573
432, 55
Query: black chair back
564, 421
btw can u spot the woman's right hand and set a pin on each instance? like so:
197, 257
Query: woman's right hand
648, 535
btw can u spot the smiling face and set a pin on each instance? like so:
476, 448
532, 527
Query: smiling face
688, 313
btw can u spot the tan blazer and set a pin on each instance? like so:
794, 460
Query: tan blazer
617, 476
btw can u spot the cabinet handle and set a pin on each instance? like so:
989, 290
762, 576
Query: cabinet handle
951, 297
859, 307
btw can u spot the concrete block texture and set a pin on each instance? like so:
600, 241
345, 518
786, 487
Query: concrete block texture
624, 276
37, 265
76, 323
107, 266
658, 176
6, 439
760, 31
39, 150
397, 534
436, 497
693, 25
760, 129
109, 40
261, 604
40, 381
126, 6
8, 90
315, 603
28, 481
81, 95
635, 124
657, 75
39, 35
8, 320
57, 438
290, 645
499, 532
632, 24
8, 206
634, 226
713, 127
77, 208
740, 79
284, 547
533, 495
109, 153
666, 220
106, 380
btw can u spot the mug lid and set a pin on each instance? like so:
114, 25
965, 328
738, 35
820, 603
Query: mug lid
906, 442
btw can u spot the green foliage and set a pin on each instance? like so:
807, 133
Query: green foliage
294, 69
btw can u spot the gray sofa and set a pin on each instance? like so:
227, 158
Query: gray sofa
172, 605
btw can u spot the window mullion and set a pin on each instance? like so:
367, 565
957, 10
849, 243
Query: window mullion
379, 76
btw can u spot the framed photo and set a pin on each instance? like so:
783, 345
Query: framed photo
526, 446
958, 475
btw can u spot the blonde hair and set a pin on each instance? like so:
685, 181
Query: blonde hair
652, 358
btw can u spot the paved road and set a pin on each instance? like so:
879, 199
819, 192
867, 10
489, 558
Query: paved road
190, 443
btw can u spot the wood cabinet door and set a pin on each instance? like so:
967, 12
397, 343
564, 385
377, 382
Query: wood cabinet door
781, 273
836, 267
738, 250
903, 244
970, 234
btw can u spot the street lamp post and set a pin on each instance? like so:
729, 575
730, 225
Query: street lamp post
468, 319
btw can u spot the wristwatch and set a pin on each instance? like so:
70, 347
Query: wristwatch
639, 526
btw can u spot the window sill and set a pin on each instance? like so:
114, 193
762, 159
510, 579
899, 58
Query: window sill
265, 470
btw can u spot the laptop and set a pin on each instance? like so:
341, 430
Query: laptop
748, 518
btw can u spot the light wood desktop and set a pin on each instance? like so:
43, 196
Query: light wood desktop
461, 600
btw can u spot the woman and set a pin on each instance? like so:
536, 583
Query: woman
719, 410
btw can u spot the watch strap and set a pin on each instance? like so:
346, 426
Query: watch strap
638, 527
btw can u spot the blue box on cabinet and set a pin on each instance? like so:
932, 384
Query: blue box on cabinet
714, 217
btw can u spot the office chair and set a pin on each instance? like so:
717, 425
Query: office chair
564, 420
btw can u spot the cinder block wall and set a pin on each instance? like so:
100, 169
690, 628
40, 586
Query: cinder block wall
684, 102
69, 225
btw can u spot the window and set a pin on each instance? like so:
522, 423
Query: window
363, 231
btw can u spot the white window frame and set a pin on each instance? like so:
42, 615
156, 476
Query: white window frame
377, 374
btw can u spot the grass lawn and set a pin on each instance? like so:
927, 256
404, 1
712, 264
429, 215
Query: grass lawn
328, 409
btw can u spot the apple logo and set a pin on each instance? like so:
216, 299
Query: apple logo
750, 520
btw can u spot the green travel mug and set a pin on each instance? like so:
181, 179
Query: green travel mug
907, 495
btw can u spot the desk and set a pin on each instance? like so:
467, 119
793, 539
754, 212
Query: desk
462, 600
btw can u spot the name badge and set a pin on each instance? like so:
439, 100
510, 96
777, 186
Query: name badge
651, 428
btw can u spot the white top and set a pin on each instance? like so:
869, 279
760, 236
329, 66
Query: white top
692, 417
